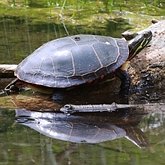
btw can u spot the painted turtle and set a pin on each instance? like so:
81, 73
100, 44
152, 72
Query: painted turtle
79, 59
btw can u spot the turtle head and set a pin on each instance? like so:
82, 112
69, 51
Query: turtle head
138, 43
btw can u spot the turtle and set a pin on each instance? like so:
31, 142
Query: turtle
79, 59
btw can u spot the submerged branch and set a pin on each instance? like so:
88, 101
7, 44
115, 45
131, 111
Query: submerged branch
70, 108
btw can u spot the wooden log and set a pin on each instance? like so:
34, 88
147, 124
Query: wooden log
7, 70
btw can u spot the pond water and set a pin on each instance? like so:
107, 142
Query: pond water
27, 137
126, 139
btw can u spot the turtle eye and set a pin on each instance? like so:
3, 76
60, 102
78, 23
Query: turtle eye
77, 38
148, 34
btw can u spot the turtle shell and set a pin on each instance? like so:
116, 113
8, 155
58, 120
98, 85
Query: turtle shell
73, 60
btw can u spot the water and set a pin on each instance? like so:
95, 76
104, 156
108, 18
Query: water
130, 137
23, 145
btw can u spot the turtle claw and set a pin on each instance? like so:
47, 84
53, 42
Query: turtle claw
12, 88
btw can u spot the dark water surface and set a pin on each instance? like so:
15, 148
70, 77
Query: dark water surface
132, 137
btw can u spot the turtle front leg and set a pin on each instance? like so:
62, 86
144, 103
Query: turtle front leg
125, 79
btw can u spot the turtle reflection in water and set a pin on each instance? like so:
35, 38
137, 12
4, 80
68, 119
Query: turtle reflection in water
94, 128
77, 60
